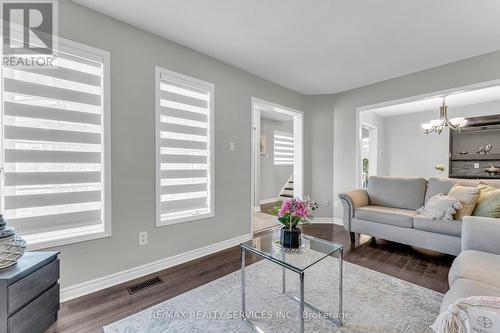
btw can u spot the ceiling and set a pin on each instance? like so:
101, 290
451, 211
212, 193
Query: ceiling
320, 46
477, 96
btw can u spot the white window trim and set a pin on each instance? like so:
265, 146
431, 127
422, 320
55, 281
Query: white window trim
189, 81
80, 234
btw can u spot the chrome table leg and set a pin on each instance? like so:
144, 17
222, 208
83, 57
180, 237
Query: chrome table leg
243, 305
283, 279
302, 301
341, 286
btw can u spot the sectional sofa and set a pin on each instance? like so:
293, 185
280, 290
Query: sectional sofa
387, 209
476, 271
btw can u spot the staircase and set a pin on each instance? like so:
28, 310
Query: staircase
287, 190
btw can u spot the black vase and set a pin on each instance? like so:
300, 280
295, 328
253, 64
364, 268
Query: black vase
290, 239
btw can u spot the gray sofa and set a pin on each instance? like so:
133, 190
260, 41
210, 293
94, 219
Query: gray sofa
387, 209
476, 271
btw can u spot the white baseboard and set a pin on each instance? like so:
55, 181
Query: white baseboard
270, 200
333, 220
104, 282
338, 221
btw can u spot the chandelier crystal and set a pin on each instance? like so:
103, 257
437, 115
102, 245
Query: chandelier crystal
438, 125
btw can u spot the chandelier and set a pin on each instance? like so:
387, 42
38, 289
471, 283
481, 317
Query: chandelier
437, 125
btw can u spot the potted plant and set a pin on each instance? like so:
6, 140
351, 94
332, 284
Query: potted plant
290, 214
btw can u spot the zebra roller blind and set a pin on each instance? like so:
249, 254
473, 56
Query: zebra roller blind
184, 150
283, 148
53, 145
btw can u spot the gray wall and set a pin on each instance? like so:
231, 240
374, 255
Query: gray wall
134, 55
318, 148
469, 71
273, 177
411, 153
330, 138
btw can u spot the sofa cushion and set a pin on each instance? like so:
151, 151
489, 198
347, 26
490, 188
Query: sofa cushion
440, 207
452, 228
438, 185
444, 185
386, 215
467, 196
488, 204
463, 288
476, 182
404, 193
479, 266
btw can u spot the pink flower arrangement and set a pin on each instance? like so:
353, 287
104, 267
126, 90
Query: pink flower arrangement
295, 211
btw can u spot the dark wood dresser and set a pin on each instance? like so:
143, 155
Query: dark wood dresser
29, 293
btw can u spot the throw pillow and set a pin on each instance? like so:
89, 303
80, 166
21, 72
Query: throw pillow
468, 315
468, 198
488, 204
440, 207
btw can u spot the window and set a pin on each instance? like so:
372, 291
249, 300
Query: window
55, 142
283, 148
184, 148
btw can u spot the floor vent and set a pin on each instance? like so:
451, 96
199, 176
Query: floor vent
144, 285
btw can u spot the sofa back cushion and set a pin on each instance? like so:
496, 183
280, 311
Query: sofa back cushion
444, 185
467, 195
405, 193
488, 204
476, 182
439, 185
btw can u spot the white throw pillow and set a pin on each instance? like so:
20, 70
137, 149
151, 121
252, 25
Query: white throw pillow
441, 207
472, 314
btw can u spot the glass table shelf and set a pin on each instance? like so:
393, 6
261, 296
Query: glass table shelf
297, 262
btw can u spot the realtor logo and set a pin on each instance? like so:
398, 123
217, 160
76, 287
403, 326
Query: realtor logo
29, 32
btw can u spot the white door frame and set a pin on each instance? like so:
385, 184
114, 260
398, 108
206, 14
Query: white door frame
298, 132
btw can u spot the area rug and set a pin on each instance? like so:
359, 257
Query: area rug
373, 302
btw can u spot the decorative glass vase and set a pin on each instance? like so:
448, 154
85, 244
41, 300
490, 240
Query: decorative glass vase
12, 246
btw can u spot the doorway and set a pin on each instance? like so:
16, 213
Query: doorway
277, 160
369, 148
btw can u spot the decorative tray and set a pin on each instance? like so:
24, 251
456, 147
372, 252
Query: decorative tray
305, 245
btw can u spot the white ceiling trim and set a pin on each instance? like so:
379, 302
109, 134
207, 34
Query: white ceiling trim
474, 94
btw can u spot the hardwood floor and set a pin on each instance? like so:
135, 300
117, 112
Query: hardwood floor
268, 208
89, 313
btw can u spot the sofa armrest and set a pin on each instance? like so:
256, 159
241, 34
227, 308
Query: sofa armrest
481, 234
350, 201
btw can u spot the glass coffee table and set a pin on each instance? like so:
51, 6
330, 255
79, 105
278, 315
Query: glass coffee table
266, 246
